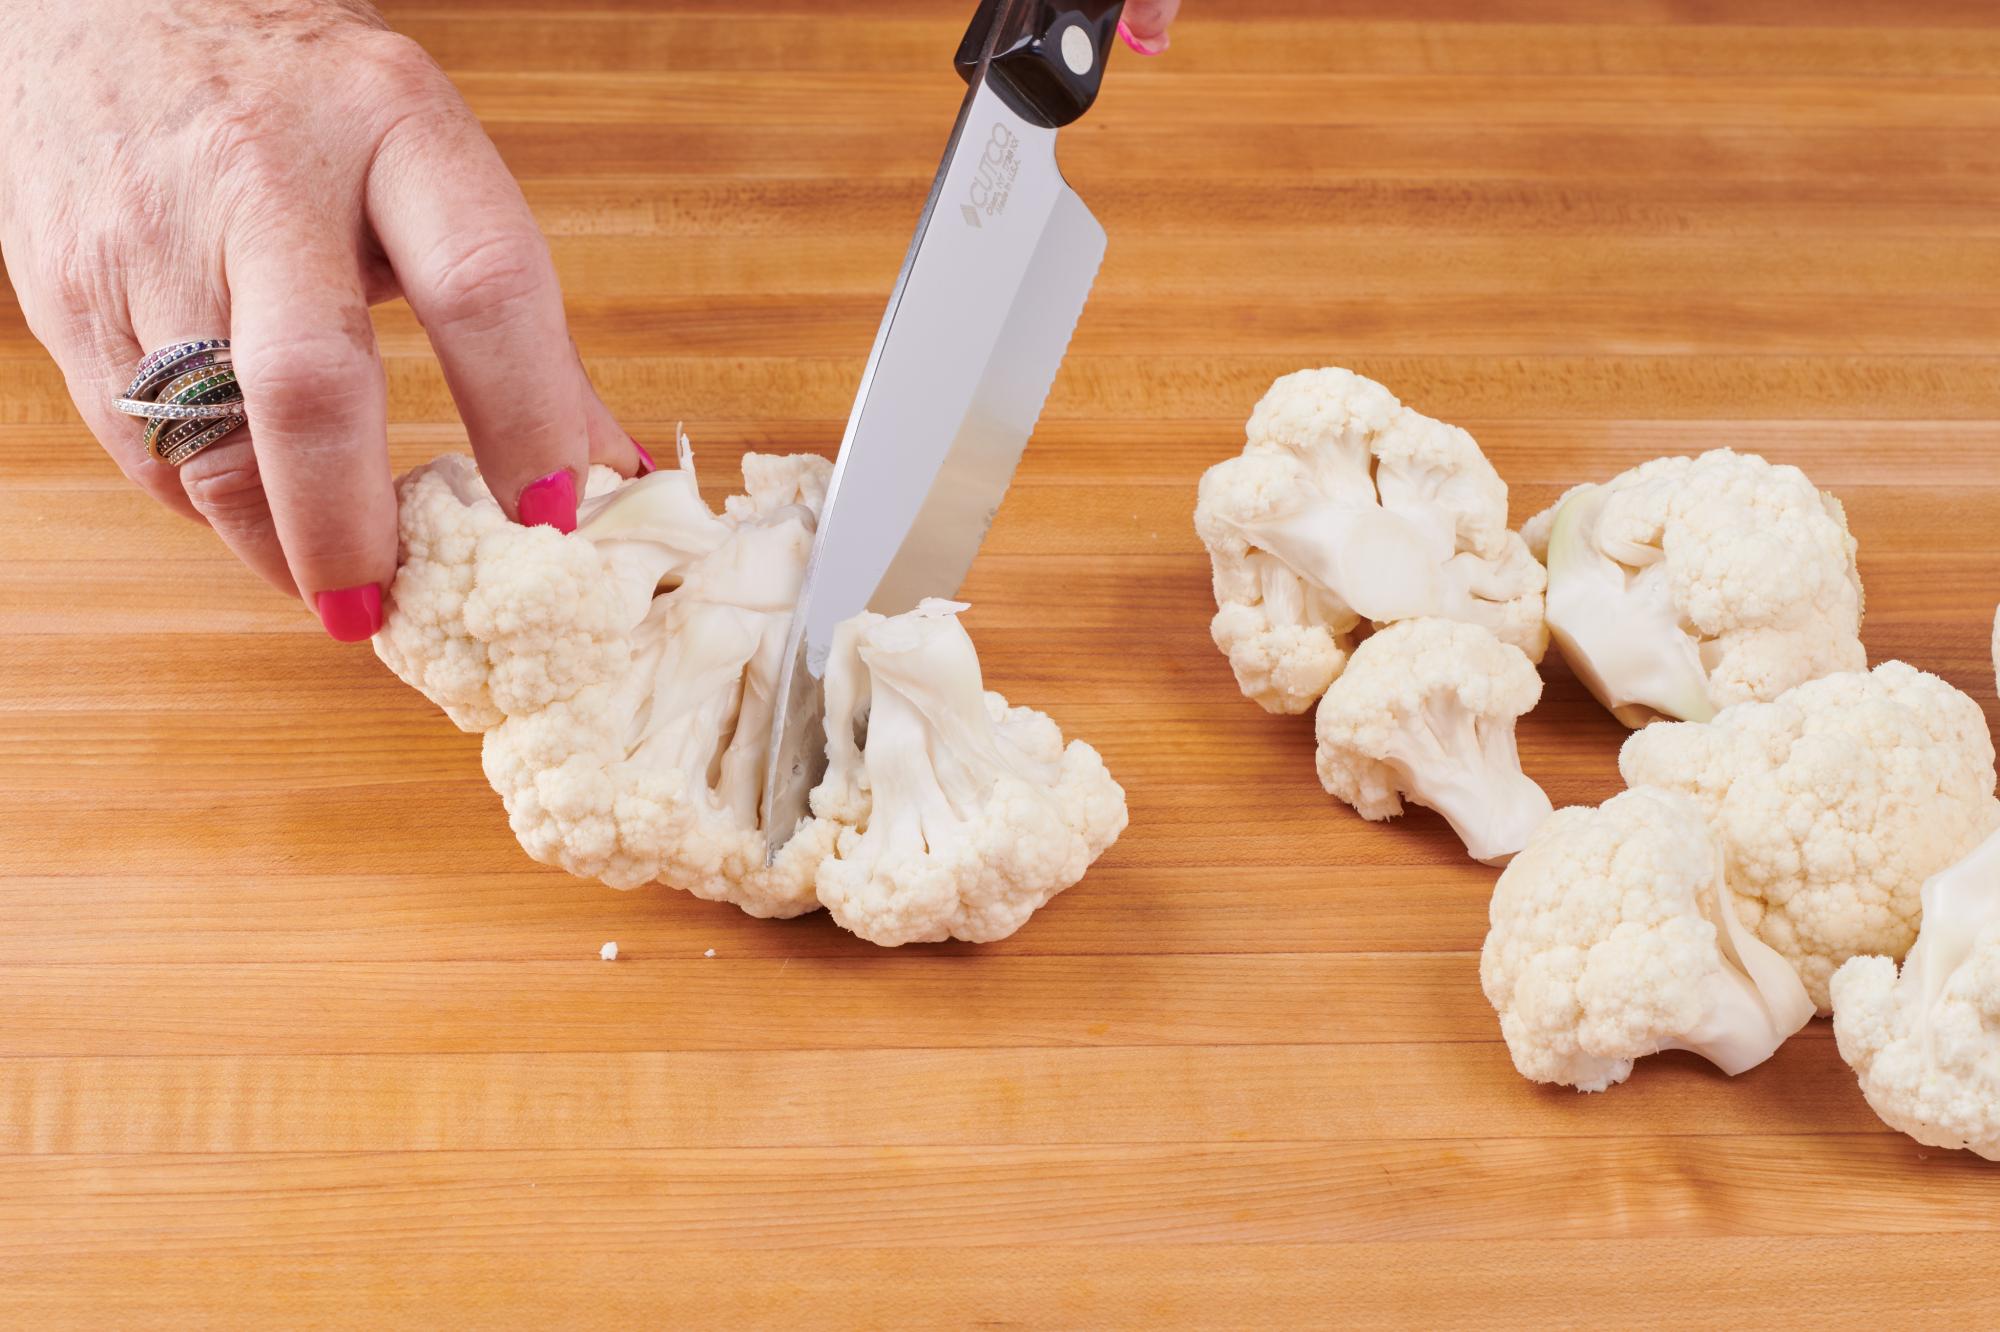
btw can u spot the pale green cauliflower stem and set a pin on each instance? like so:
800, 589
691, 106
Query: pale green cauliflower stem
1926, 1045
1689, 584
487, 618
1612, 938
966, 815
1834, 802
1347, 506
1426, 710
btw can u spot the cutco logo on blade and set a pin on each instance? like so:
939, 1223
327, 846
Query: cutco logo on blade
999, 164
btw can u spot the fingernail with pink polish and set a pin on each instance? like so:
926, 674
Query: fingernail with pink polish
550, 502
646, 464
351, 613
1125, 31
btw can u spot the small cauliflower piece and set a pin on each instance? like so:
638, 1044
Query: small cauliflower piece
958, 815
487, 618
1834, 802
1688, 584
1926, 1044
658, 775
1612, 937
1425, 711
1346, 506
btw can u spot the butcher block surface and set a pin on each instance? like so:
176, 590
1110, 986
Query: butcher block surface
293, 1034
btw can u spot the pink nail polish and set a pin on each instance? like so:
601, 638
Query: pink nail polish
646, 464
1125, 31
550, 502
351, 613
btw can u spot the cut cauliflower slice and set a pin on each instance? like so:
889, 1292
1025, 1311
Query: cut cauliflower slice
1834, 802
1926, 1045
959, 816
1426, 710
1346, 506
487, 618
1687, 584
1612, 938
659, 774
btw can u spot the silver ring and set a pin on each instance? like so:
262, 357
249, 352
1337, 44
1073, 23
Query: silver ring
187, 394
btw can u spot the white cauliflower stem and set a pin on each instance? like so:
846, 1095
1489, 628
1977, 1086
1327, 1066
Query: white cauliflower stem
1834, 802
1688, 584
1426, 710
1926, 1045
1612, 938
963, 815
1347, 506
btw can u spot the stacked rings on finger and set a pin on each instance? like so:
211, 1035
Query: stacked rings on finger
188, 395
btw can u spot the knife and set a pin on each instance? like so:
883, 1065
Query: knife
982, 312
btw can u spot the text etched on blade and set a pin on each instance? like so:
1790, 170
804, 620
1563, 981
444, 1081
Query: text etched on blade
993, 181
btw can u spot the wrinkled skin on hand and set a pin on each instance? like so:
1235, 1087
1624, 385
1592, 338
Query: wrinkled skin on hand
266, 170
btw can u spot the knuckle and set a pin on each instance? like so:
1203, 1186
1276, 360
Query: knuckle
251, 137
292, 383
396, 71
477, 284
224, 485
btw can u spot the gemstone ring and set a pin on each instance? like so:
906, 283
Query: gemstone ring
188, 395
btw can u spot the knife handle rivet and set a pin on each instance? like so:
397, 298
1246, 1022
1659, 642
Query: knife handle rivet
1077, 52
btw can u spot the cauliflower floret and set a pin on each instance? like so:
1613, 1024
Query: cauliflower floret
487, 618
1833, 802
1926, 1046
959, 816
1689, 584
1612, 938
1426, 709
1347, 506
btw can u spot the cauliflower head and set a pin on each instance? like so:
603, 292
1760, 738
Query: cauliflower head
1926, 1044
1612, 937
1425, 710
1834, 802
487, 618
657, 775
958, 815
1346, 506
1689, 584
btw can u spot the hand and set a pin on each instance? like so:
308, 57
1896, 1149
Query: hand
266, 170
1145, 25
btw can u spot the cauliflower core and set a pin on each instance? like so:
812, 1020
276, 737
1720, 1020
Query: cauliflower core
1689, 584
959, 816
1426, 710
626, 681
1834, 802
1926, 1045
1346, 506
1612, 938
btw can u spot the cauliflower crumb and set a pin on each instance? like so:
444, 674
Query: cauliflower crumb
710, 952
609, 952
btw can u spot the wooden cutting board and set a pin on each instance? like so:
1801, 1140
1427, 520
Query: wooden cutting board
291, 1033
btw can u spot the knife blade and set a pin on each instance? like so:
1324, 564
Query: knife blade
992, 286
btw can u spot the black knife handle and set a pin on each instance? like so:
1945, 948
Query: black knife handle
1048, 55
